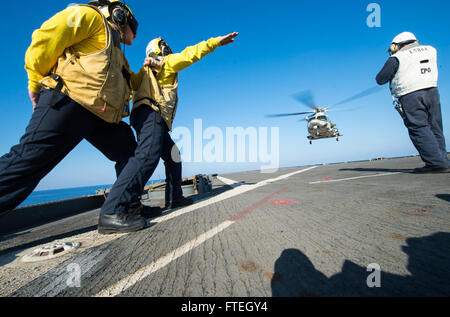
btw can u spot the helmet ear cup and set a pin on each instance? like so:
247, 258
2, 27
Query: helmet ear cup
119, 16
164, 48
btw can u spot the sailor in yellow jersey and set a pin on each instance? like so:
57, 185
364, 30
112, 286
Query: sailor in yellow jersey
155, 102
79, 85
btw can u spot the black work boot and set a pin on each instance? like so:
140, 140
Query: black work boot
430, 169
183, 202
120, 223
147, 211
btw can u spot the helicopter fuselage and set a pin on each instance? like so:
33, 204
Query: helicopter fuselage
321, 127
319, 124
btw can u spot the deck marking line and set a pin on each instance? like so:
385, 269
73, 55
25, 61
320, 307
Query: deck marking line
229, 194
229, 182
250, 209
351, 178
58, 286
141, 274
131, 280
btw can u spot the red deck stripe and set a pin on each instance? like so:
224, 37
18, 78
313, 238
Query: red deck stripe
250, 209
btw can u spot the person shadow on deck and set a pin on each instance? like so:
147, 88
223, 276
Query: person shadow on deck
428, 264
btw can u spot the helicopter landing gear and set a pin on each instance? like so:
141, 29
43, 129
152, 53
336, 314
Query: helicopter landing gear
337, 139
310, 142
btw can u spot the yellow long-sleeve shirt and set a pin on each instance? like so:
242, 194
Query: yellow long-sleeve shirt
179, 61
79, 27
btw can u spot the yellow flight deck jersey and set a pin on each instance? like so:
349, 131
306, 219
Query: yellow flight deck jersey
177, 62
143, 84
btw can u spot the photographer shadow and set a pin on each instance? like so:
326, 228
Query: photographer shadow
428, 263
444, 197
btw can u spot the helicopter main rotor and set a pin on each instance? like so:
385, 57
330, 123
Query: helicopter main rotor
307, 98
288, 114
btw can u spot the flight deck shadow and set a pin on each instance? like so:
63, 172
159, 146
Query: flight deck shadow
444, 197
428, 264
384, 170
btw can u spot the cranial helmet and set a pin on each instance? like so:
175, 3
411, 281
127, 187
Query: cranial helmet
404, 37
157, 47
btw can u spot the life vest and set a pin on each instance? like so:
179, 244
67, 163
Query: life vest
99, 81
163, 99
418, 70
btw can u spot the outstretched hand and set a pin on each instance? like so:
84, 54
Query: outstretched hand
227, 39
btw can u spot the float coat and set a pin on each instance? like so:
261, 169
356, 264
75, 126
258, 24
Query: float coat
162, 99
98, 81
417, 70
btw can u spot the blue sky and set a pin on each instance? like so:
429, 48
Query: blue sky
284, 47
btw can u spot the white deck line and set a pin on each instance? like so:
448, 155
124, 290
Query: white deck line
133, 279
228, 182
229, 194
138, 276
351, 178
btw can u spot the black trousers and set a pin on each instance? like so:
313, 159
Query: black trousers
50, 135
424, 122
154, 143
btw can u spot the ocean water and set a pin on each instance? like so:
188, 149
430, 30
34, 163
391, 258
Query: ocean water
46, 196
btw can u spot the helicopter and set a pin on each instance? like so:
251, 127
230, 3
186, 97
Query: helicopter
319, 123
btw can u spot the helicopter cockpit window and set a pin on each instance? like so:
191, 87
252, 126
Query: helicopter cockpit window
322, 118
